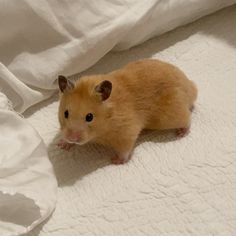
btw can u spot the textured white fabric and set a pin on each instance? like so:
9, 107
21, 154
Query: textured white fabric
184, 187
27, 183
41, 39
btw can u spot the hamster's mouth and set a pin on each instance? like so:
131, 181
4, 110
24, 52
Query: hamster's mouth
76, 142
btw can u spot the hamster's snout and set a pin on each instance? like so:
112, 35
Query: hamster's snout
73, 136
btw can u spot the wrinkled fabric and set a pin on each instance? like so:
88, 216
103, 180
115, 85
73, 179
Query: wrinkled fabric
28, 185
170, 187
41, 39
38, 41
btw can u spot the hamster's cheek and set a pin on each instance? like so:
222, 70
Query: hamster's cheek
86, 137
63, 131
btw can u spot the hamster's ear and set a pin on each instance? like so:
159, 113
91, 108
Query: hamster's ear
64, 83
104, 88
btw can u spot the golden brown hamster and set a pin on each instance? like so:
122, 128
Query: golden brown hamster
112, 109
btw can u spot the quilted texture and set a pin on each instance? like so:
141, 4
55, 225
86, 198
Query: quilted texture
174, 187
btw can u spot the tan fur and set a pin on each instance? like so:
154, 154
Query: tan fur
146, 94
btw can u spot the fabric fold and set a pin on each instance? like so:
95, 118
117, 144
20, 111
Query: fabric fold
38, 41
28, 186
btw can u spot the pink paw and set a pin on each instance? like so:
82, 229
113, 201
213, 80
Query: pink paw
117, 161
181, 132
64, 145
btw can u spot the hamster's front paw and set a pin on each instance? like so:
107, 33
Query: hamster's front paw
64, 145
181, 132
121, 158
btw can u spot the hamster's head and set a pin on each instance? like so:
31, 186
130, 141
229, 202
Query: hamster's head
83, 108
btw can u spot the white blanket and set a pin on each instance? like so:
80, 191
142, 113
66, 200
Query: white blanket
27, 183
184, 187
39, 40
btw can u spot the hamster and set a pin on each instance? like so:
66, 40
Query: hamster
112, 109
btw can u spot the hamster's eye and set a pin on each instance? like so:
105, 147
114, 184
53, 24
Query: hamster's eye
66, 114
89, 117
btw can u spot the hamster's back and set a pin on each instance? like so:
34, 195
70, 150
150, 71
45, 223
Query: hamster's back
149, 78
150, 86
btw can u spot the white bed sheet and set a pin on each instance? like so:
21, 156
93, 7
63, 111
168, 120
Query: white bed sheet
170, 187
41, 39
28, 187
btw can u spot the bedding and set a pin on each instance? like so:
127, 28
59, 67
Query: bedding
28, 185
184, 187
40, 40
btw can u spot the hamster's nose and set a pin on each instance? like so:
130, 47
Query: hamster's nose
73, 136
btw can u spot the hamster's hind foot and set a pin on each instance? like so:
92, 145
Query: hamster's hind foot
117, 161
181, 132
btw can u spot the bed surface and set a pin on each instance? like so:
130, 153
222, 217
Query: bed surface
174, 187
